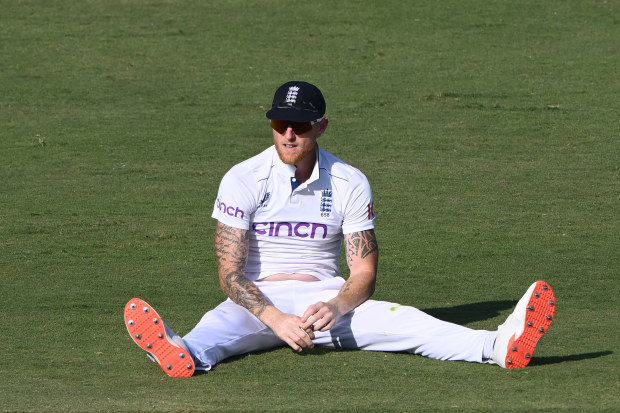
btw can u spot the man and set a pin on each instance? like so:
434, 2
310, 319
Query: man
282, 216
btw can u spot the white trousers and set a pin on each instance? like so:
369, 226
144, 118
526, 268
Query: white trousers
229, 329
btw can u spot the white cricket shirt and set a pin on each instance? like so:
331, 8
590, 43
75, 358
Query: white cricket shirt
294, 229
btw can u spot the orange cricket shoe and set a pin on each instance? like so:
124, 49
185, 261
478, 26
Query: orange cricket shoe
531, 318
162, 345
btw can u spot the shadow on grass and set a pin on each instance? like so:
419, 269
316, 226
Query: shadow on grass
536, 361
469, 313
541, 361
316, 351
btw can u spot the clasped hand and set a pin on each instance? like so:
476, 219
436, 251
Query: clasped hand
320, 316
298, 332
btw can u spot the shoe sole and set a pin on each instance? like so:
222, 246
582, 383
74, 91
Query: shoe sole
147, 330
539, 314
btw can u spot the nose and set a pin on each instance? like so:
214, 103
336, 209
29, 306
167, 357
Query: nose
289, 134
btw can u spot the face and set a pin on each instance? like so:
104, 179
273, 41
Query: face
293, 147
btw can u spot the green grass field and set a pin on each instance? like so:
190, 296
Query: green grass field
488, 129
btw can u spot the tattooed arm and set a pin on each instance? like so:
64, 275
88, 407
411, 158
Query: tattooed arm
362, 255
231, 250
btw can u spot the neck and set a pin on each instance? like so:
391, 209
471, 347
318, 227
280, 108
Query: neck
305, 167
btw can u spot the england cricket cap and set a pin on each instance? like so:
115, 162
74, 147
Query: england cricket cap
297, 101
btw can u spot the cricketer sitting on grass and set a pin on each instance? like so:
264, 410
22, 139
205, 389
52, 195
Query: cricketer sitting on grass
282, 216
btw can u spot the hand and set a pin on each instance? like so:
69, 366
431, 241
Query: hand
288, 328
320, 316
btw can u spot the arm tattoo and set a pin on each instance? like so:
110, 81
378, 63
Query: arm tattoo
346, 286
231, 250
360, 244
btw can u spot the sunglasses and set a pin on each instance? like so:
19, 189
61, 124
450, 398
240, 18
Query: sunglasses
299, 128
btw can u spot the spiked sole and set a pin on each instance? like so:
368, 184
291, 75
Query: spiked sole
147, 329
538, 317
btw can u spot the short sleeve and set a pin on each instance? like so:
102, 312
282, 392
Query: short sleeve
236, 200
359, 208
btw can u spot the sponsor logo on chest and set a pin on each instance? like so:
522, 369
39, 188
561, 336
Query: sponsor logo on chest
310, 230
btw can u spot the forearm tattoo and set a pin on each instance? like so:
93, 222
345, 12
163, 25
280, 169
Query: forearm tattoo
231, 250
360, 244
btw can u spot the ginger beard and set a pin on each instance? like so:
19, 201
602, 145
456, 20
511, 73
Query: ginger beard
291, 152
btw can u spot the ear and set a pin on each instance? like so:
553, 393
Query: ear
322, 126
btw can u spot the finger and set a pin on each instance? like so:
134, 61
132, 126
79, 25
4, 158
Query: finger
292, 344
326, 327
321, 319
310, 320
321, 325
308, 324
310, 311
310, 333
306, 340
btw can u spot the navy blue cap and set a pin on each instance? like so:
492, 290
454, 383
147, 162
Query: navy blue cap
297, 101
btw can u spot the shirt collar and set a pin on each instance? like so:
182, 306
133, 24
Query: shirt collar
290, 169
316, 171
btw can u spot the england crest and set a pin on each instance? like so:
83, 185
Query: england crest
326, 203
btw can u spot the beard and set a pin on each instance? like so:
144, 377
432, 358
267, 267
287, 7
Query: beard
293, 158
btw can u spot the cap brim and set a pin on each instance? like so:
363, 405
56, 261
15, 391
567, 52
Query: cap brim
292, 115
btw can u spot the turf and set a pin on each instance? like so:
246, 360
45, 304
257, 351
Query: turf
488, 130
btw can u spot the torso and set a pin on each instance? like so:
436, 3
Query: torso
294, 234
286, 277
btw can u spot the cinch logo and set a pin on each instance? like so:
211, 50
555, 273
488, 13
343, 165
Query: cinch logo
290, 229
230, 210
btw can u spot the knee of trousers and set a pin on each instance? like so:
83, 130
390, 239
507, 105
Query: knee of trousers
228, 330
